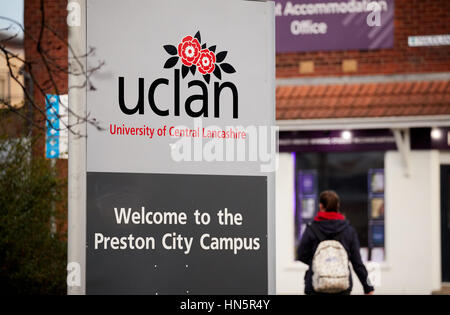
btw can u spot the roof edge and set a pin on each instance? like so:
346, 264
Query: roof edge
392, 122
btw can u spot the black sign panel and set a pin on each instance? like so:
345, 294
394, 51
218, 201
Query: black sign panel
176, 234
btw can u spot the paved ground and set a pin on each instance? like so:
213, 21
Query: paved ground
445, 290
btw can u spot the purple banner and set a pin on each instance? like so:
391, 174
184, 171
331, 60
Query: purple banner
314, 25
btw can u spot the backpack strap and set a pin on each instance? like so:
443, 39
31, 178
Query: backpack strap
317, 232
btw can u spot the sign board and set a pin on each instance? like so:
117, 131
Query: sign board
428, 41
180, 185
317, 25
57, 136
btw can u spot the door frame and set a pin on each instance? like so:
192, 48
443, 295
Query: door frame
445, 250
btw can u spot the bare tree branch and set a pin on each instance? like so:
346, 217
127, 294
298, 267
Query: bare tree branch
54, 71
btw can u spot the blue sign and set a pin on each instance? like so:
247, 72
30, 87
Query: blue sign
53, 126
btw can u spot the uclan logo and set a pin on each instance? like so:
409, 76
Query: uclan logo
194, 57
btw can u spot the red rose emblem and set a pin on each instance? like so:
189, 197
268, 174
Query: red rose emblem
206, 62
189, 50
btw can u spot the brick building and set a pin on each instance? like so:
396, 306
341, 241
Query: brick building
397, 93
411, 18
371, 124
46, 48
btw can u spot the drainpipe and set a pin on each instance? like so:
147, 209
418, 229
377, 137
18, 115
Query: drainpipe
402, 139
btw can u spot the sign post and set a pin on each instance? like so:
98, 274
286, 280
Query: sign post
180, 174
76, 252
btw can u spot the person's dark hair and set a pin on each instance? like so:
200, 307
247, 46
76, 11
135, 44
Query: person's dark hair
329, 200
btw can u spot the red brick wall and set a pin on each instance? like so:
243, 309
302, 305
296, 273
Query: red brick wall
55, 48
411, 18
54, 44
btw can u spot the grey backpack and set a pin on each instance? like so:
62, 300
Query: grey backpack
330, 264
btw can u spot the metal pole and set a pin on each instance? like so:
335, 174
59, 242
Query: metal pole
271, 202
271, 216
77, 148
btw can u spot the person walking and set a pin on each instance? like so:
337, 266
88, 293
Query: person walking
327, 246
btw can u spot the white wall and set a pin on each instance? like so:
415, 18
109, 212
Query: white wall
412, 224
412, 227
289, 273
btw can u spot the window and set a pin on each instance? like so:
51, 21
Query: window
358, 178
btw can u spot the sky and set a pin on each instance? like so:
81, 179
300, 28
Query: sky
12, 9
